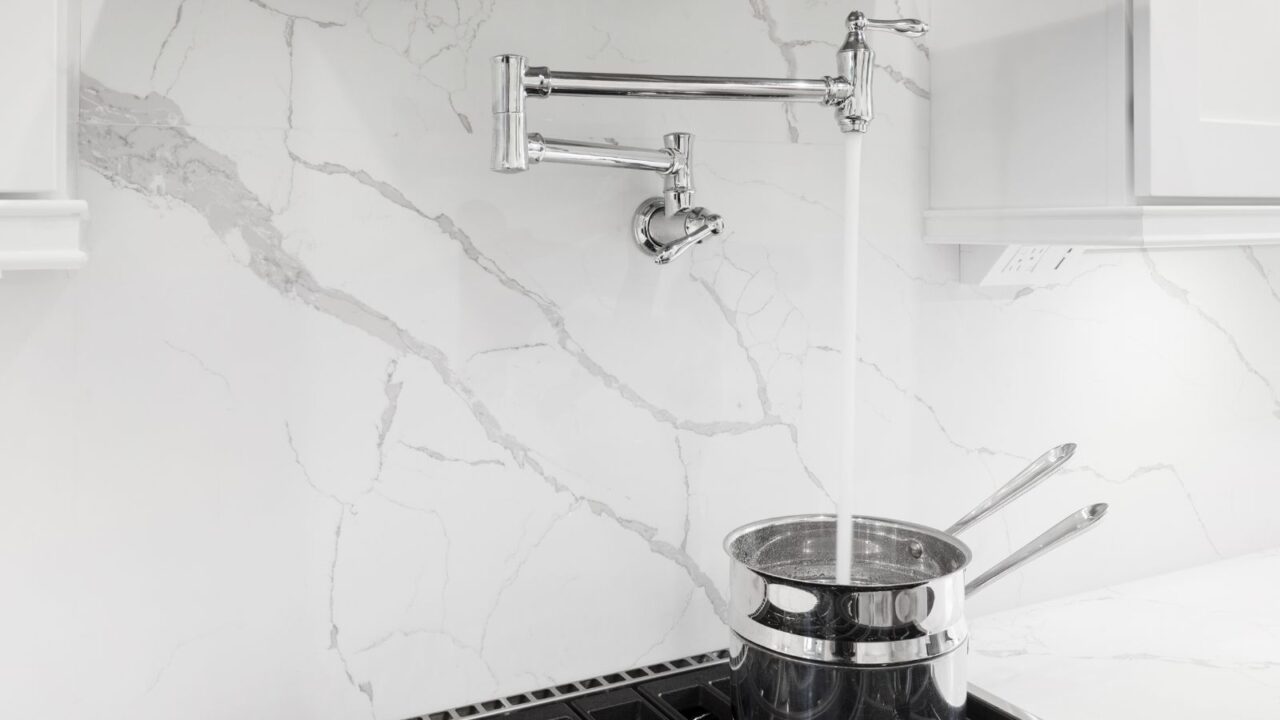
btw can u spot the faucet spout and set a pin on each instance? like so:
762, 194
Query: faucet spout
855, 62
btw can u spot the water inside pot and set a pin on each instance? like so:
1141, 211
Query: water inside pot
885, 552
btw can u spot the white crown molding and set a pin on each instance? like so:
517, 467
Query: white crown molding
1139, 226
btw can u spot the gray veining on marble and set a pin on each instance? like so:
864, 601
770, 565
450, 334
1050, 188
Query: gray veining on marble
339, 424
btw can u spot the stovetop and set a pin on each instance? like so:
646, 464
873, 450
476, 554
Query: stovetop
693, 688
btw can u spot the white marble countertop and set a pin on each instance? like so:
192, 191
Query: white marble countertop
1199, 643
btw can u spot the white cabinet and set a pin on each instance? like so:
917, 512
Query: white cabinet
40, 221
29, 141
1207, 98
1105, 123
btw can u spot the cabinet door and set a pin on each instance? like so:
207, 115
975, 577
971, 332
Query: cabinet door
1207, 98
32, 83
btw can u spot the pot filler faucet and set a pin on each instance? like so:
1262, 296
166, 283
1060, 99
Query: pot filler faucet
665, 227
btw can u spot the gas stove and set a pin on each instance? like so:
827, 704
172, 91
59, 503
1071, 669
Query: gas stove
693, 688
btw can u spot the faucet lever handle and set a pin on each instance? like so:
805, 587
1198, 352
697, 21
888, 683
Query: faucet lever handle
665, 237
713, 225
909, 27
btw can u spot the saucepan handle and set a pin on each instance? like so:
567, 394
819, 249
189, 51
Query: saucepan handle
1032, 475
1070, 527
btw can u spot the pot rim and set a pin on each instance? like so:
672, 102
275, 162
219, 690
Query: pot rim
744, 530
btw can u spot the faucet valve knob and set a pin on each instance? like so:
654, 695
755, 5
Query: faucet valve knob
714, 226
665, 237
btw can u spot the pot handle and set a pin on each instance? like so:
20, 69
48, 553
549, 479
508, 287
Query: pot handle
1032, 475
1068, 528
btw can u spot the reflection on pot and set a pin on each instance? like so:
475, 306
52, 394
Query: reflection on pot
768, 686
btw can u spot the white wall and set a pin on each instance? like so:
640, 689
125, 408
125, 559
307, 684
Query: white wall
339, 424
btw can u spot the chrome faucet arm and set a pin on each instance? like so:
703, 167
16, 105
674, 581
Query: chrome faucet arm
541, 81
575, 152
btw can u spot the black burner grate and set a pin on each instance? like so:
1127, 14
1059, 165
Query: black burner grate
568, 691
693, 688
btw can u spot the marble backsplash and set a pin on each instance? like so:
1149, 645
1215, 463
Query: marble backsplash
337, 423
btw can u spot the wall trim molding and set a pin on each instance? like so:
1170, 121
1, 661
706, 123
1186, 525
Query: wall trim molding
1141, 226
40, 234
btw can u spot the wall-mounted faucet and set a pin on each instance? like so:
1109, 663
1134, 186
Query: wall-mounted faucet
679, 226
855, 62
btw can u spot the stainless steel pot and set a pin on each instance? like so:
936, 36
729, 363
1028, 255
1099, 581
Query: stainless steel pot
889, 645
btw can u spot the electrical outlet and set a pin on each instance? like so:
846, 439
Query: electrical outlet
996, 265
